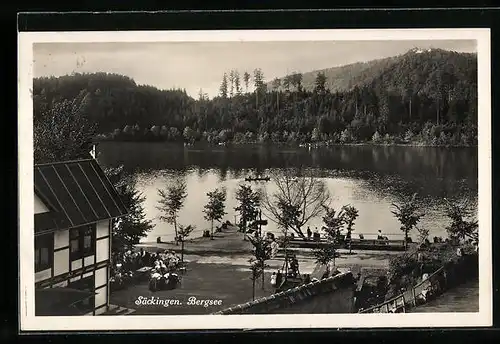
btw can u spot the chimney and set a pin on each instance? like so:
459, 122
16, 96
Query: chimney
93, 151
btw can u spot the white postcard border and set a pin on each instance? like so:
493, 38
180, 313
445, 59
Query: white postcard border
30, 322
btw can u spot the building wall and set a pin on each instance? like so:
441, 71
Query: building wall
65, 271
40, 207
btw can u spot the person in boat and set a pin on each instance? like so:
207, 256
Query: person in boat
309, 233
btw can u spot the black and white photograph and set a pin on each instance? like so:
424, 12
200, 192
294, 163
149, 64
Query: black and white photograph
257, 179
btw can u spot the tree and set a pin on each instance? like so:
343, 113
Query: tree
462, 225
246, 80
183, 233
320, 83
247, 207
63, 131
297, 81
287, 82
231, 82
351, 214
202, 95
276, 86
299, 198
237, 85
188, 134
170, 203
333, 225
258, 79
214, 209
408, 215
262, 253
128, 230
257, 271
223, 87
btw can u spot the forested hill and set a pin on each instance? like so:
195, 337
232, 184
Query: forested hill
419, 69
421, 97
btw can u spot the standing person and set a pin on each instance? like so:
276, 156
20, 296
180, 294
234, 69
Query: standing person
279, 278
380, 237
309, 233
273, 280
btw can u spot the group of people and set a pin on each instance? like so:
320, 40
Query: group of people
124, 266
164, 273
163, 266
292, 272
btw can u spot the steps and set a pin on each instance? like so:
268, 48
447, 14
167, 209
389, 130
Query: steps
118, 310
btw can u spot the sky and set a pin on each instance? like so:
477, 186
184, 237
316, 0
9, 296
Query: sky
200, 65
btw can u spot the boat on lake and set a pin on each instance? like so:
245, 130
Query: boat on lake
257, 179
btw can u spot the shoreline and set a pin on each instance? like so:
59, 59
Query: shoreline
289, 145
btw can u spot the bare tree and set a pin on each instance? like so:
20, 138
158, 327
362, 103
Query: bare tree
300, 197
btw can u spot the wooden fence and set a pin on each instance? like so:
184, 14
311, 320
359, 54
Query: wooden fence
449, 275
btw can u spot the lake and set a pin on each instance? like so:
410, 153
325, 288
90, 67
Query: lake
370, 178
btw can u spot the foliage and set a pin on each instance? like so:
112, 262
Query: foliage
431, 95
299, 198
214, 209
334, 222
408, 215
350, 215
247, 207
63, 132
462, 224
185, 231
325, 254
182, 234
128, 230
171, 202
262, 253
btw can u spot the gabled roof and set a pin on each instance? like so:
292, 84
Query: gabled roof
77, 193
292, 296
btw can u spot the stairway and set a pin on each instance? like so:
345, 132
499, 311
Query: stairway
118, 310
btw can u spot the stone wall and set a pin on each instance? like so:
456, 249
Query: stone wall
330, 295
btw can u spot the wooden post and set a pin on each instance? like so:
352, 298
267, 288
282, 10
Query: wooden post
414, 296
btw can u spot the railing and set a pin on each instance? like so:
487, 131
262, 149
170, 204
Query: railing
409, 298
434, 285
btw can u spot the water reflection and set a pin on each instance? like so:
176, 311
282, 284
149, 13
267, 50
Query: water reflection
370, 178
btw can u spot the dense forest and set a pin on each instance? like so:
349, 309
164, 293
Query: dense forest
421, 97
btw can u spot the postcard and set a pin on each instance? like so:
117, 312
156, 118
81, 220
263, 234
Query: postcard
178, 180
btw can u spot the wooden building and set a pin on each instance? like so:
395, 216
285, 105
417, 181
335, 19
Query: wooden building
75, 206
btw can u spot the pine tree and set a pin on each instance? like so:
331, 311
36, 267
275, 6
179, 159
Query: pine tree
223, 87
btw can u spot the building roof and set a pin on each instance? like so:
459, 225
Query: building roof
292, 296
77, 193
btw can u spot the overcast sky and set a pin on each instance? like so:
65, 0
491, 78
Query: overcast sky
194, 66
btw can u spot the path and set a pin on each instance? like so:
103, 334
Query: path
464, 298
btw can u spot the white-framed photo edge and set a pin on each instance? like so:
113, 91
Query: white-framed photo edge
30, 322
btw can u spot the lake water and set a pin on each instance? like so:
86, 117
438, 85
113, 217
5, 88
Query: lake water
369, 178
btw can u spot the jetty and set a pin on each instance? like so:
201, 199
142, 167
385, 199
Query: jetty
355, 244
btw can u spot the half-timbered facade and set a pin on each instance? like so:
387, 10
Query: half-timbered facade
75, 205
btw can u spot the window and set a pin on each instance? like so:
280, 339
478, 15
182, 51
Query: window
82, 241
44, 248
85, 305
